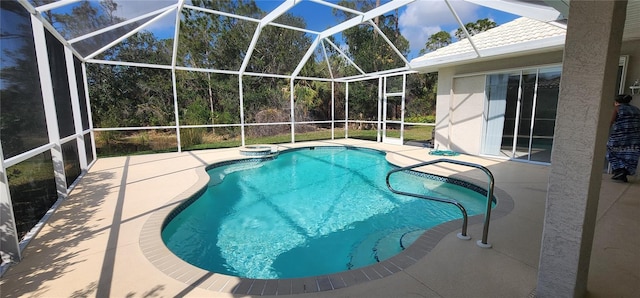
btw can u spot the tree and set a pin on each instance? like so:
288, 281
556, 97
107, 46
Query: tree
371, 52
421, 97
436, 41
84, 18
476, 27
199, 37
422, 88
209, 41
279, 50
132, 96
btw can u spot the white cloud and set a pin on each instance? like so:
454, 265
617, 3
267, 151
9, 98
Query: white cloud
423, 18
417, 36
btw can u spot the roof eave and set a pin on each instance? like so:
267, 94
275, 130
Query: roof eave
526, 48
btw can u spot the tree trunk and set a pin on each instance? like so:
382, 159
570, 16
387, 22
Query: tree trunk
377, 19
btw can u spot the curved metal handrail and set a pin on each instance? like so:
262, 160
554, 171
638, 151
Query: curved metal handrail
485, 232
463, 234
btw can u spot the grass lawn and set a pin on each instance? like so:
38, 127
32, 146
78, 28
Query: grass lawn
120, 144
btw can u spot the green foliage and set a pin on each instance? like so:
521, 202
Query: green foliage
438, 40
279, 50
136, 142
211, 41
192, 136
108, 137
33, 191
474, 28
421, 119
369, 50
130, 96
269, 116
272, 139
363, 100
422, 92
196, 113
25, 173
227, 118
417, 133
84, 18
312, 100
217, 145
263, 93
443, 38
371, 53
363, 134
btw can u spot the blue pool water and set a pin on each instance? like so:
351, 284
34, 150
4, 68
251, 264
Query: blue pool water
308, 212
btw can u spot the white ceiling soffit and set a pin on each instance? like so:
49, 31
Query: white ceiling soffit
551, 10
631, 27
560, 5
632, 22
533, 9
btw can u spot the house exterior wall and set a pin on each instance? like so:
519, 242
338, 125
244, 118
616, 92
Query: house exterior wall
460, 99
443, 105
466, 120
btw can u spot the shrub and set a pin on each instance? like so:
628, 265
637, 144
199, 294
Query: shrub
421, 119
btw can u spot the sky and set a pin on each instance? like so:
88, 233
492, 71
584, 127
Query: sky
417, 21
422, 18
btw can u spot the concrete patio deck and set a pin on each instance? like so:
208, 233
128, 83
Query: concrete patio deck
91, 246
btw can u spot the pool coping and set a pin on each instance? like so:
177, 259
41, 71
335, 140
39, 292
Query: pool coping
154, 249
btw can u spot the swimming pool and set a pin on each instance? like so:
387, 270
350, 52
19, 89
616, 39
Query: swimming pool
308, 212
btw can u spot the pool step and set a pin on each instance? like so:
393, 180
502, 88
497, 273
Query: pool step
381, 246
388, 245
217, 174
362, 253
410, 237
395, 242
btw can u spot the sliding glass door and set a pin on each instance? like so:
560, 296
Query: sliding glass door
520, 111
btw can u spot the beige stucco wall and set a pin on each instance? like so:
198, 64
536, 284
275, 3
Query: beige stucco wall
460, 100
466, 120
443, 104
460, 127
